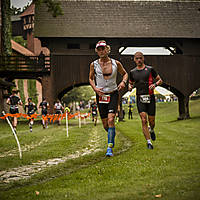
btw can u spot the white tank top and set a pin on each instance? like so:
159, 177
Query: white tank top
58, 106
109, 85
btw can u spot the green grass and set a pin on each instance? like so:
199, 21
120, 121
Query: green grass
170, 170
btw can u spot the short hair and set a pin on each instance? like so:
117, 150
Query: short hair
138, 53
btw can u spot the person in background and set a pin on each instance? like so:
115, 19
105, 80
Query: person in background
31, 110
58, 110
130, 111
14, 101
94, 112
44, 105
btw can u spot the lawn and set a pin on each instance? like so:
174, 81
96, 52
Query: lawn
76, 167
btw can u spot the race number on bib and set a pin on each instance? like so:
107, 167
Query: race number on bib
104, 99
145, 98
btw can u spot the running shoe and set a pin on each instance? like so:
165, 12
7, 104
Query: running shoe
31, 129
109, 152
152, 133
149, 146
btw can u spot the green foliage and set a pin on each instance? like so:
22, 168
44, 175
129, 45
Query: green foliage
21, 90
82, 93
53, 6
15, 11
32, 90
20, 40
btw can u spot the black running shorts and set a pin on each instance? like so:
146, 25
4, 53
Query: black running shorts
14, 110
44, 112
58, 112
111, 107
149, 108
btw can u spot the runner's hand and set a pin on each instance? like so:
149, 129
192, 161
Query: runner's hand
121, 86
152, 87
130, 87
99, 91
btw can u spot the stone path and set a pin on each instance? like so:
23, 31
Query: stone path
27, 171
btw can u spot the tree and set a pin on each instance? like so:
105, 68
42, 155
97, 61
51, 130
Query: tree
53, 6
77, 94
6, 28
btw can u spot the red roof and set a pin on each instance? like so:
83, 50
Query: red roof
20, 49
29, 11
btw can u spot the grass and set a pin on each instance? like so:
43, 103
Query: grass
170, 171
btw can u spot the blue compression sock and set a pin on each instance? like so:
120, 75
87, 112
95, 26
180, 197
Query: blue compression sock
111, 137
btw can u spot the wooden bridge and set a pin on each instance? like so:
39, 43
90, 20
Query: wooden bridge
24, 67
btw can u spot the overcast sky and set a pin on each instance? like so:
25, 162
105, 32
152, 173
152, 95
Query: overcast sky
20, 3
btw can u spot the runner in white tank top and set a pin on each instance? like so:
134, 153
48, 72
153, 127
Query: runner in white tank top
102, 78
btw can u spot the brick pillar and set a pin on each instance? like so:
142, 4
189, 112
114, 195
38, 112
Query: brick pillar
48, 91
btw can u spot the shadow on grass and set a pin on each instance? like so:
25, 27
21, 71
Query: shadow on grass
178, 120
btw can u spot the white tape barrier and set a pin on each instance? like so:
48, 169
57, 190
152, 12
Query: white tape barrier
79, 120
18, 144
67, 127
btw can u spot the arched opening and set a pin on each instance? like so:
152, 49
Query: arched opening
77, 97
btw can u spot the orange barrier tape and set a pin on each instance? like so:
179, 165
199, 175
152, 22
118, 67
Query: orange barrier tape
52, 117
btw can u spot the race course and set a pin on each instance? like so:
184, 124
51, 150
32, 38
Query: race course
56, 167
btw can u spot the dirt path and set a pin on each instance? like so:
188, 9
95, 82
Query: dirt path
27, 171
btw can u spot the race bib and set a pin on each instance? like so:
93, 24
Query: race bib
145, 98
104, 99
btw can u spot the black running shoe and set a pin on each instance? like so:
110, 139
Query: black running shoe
149, 146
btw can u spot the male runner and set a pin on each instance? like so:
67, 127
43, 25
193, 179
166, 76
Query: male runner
102, 78
58, 110
94, 112
44, 105
14, 101
145, 79
31, 110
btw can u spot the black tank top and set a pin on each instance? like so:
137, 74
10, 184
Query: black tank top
14, 100
31, 107
43, 105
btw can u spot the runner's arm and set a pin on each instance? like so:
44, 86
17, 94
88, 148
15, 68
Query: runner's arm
157, 83
124, 74
8, 101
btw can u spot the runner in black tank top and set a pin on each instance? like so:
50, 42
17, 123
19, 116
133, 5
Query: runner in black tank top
94, 112
145, 79
31, 110
14, 101
44, 105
